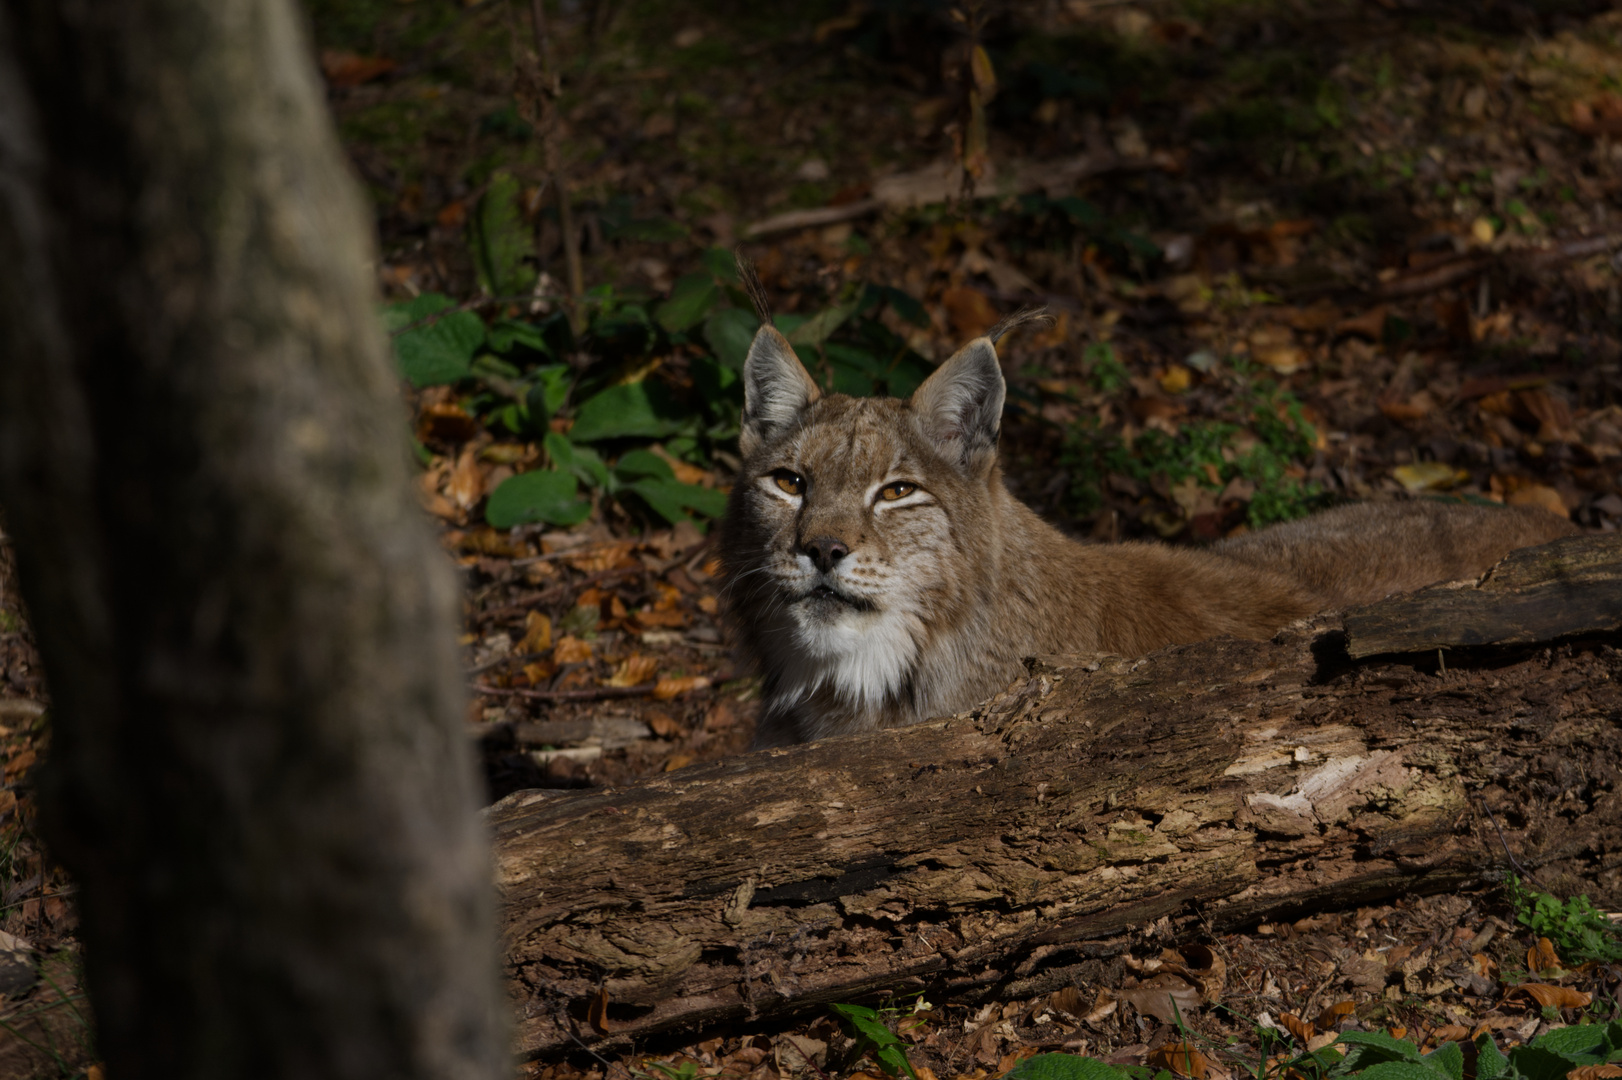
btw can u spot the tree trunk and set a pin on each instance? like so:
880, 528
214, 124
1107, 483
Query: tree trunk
1005, 851
258, 774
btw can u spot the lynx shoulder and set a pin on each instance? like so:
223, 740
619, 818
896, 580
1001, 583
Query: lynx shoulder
878, 572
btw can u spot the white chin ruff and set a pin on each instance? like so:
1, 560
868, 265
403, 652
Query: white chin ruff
864, 656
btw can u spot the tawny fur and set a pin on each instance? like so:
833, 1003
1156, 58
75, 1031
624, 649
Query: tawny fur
944, 591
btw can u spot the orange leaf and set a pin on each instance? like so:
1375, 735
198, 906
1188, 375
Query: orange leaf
597, 1011
1450, 1033
669, 687
1398, 1032
670, 620
1182, 1058
634, 670
345, 69
1333, 1014
537, 633
1542, 956
969, 311
1594, 1072
571, 650
1544, 995
1297, 1026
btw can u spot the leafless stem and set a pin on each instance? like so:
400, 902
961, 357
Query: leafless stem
552, 85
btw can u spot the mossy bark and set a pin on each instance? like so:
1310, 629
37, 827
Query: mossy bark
258, 775
1009, 850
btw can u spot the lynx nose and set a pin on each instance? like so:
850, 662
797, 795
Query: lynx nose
825, 551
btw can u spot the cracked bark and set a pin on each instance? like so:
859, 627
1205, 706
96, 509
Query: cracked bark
1009, 851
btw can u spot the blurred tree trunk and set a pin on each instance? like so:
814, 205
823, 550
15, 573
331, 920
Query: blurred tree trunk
258, 775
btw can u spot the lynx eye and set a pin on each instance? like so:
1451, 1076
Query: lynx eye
790, 481
898, 490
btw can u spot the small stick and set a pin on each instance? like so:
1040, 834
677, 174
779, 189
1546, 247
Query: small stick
593, 693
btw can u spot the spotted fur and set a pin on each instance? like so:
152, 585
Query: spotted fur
864, 611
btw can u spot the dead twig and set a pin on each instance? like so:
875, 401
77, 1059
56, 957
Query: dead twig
590, 693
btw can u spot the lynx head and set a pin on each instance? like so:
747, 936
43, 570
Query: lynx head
855, 526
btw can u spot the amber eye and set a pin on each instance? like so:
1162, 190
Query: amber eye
790, 481
898, 490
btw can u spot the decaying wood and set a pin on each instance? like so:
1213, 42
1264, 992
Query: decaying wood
1009, 850
1573, 586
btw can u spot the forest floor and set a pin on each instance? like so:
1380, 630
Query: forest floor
1298, 253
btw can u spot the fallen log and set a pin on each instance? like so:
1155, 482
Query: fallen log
1009, 850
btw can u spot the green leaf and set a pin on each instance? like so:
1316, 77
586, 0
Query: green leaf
902, 304
641, 408
543, 495
1490, 1061
397, 317
730, 333
1063, 1067
553, 382
722, 264
1448, 1059
501, 242
1581, 1044
505, 334
893, 1060
440, 352
1536, 1063
1401, 1070
691, 299
668, 498
819, 327
1387, 1046
716, 384
640, 463
582, 461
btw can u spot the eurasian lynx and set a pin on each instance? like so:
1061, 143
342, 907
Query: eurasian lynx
879, 573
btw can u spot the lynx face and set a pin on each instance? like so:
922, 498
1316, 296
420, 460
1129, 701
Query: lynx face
848, 539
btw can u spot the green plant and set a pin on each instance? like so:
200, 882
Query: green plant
655, 370
1576, 929
1372, 1055
874, 1038
1263, 433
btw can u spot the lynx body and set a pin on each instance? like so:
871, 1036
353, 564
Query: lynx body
880, 573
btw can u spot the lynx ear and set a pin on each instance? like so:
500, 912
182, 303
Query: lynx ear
776, 388
960, 406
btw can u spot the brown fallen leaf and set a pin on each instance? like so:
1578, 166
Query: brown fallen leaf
1164, 997
597, 1010
466, 483
669, 687
1201, 966
634, 670
571, 650
1538, 495
347, 69
1067, 999
446, 422
1370, 324
1542, 957
1182, 1058
1450, 1033
1594, 1072
1544, 995
681, 761
1301, 1029
1334, 1014
969, 310
537, 633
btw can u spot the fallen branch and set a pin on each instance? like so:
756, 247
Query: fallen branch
1523, 260
943, 182
1010, 850
590, 693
